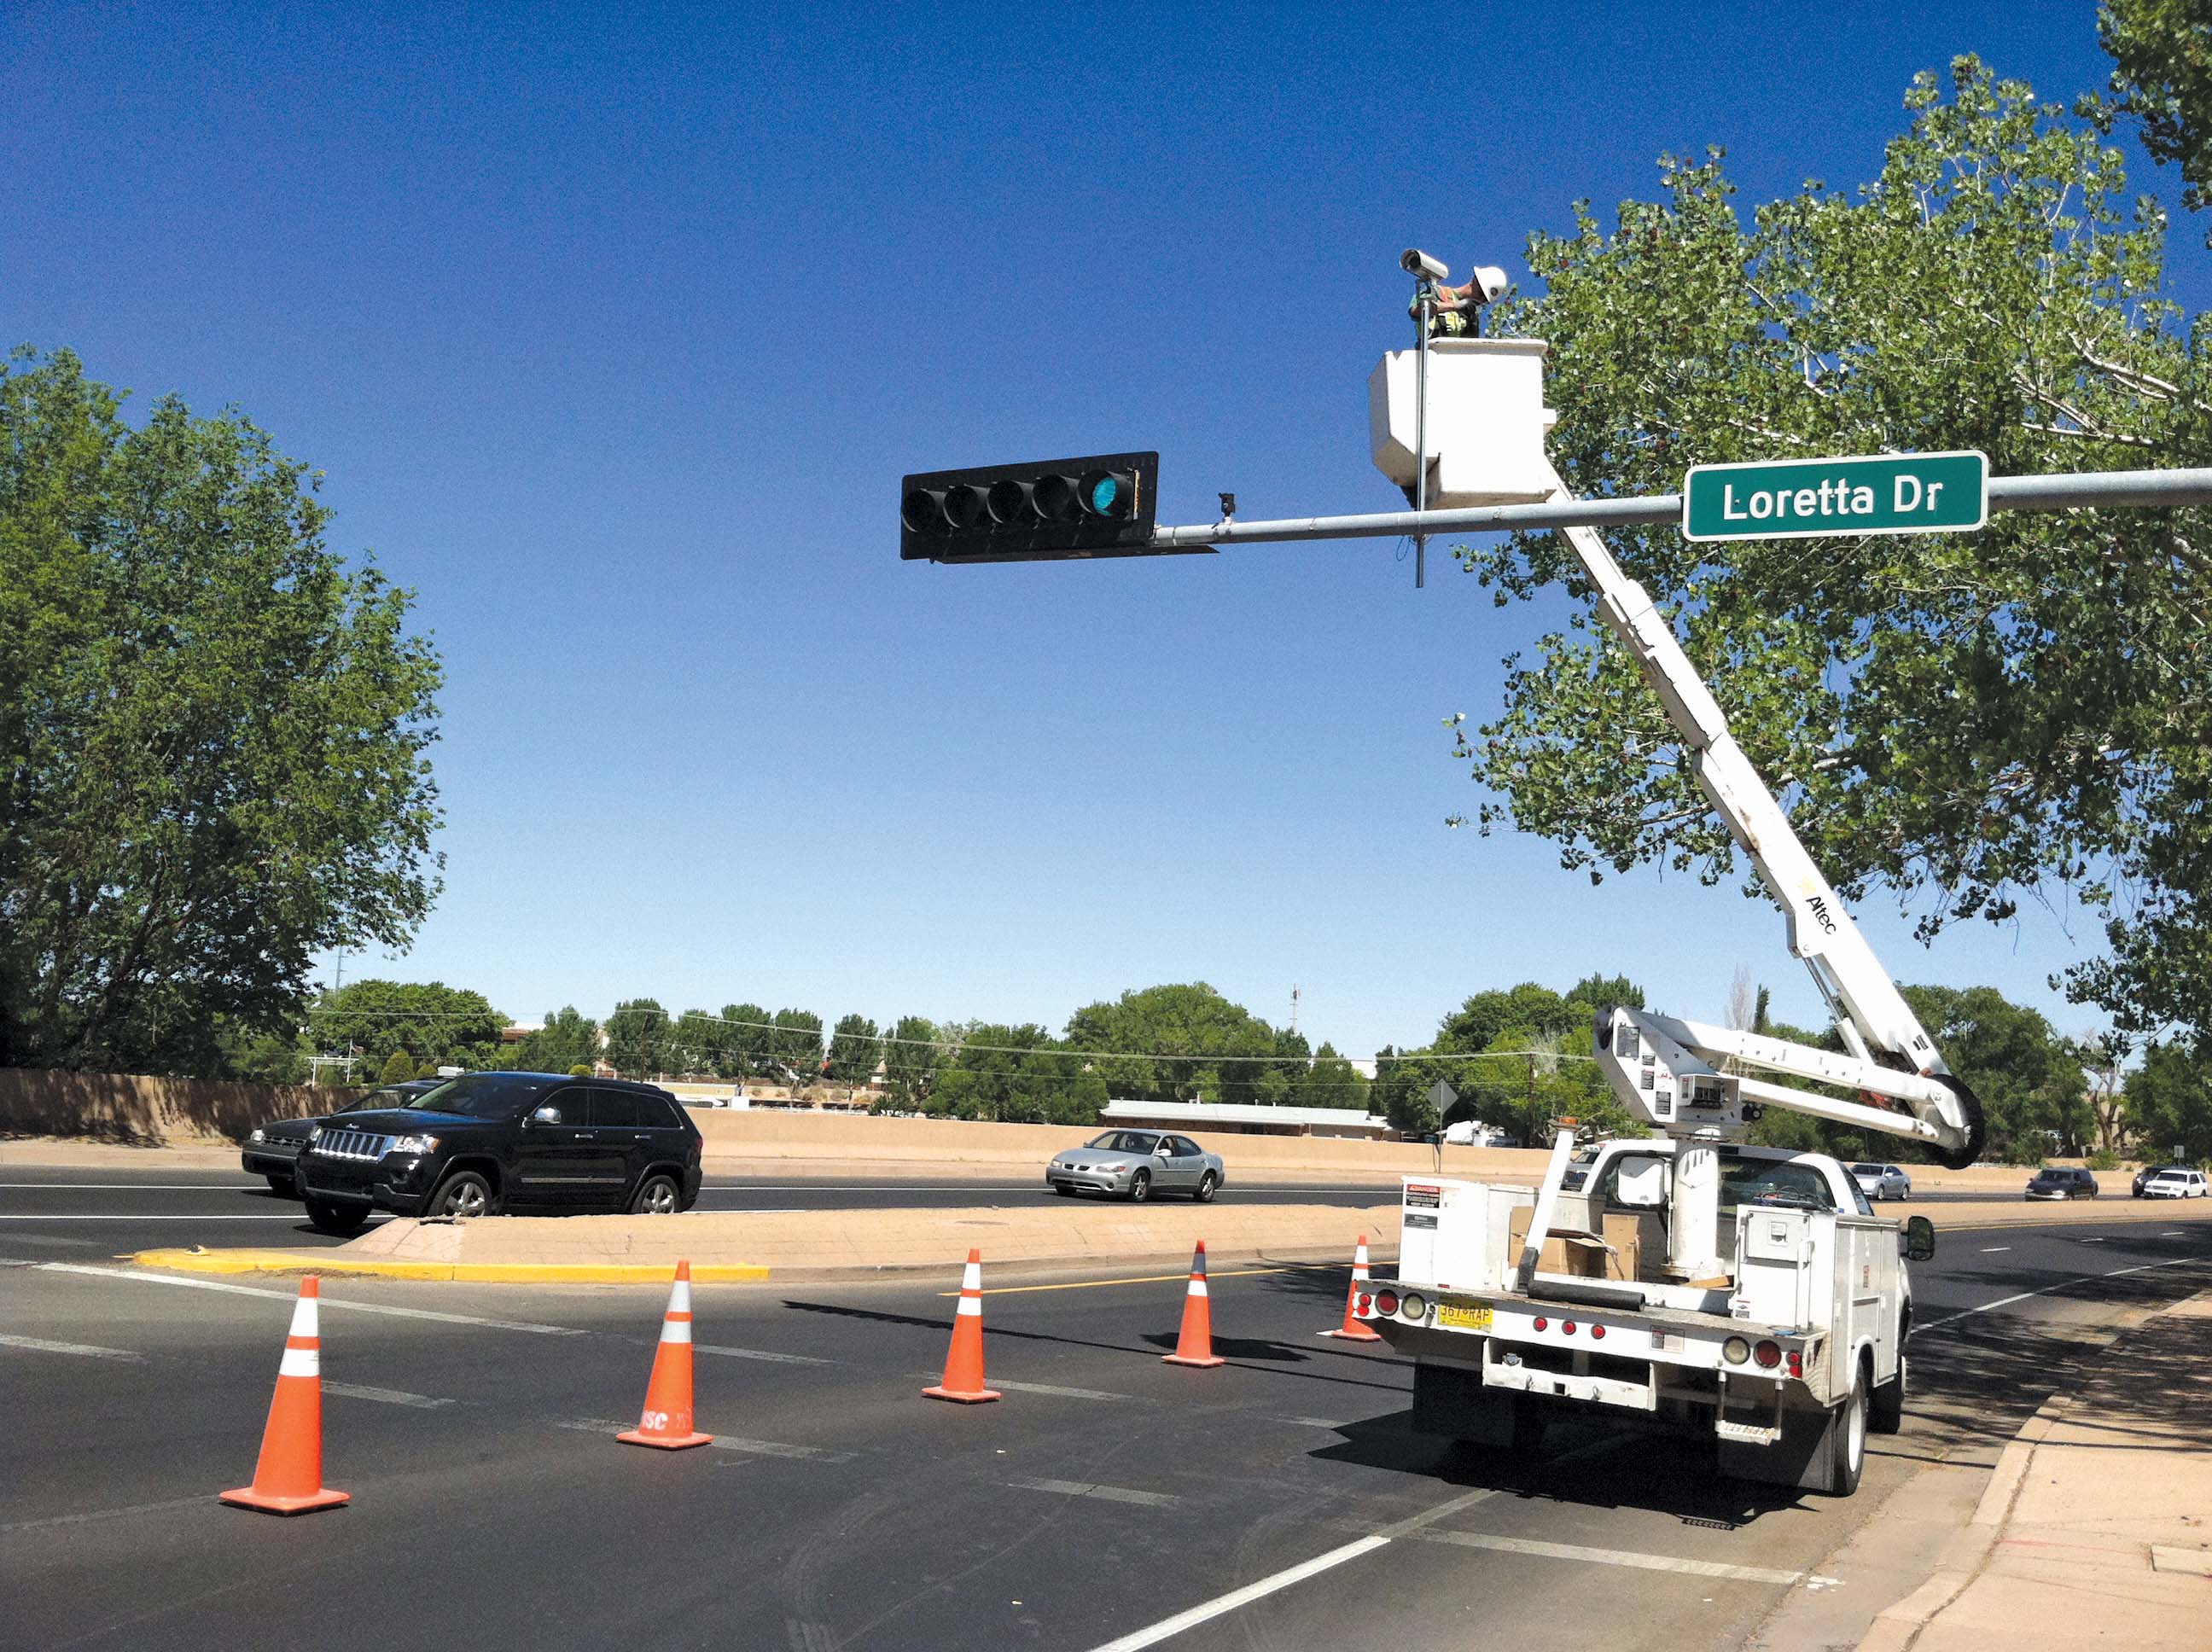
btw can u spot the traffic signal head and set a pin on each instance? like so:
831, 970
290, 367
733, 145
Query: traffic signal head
1102, 506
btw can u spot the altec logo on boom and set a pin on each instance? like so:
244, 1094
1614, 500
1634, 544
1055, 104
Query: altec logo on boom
1891, 493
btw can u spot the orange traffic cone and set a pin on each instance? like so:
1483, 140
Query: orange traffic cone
288, 1478
1353, 1330
1195, 1345
963, 1365
667, 1419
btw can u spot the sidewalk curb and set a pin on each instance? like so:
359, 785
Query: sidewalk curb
296, 1262
1899, 1627
320, 1262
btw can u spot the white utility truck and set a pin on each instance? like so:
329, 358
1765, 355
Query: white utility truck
1692, 1281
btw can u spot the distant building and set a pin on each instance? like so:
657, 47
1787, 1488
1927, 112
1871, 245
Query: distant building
1242, 1119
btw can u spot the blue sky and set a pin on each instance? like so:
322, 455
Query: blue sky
614, 328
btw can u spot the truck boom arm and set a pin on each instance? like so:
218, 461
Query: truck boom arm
1891, 1054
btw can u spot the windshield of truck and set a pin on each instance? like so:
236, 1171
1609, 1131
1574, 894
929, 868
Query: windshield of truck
1773, 1181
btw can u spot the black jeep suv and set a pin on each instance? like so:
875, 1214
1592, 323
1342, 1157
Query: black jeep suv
488, 1142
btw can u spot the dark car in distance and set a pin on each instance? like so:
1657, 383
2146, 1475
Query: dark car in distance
2062, 1181
490, 1142
272, 1149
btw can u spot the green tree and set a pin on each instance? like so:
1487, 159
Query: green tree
582, 1070
569, 1039
1174, 1042
695, 1044
1333, 1082
1606, 991
445, 1026
2161, 52
1476, 1024
2170, 1104
212, 733
748, 1047
911, 1058
795, 1046
637, 1034
399, 1067
855, 1050
1959, 719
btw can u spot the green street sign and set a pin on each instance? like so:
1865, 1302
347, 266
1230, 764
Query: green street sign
1799, 498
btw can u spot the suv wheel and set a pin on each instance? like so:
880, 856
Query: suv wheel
327, 1216
464, 1194
657, 1195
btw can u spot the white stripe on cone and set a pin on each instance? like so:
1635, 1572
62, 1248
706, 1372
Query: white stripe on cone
971, 1277
679, 1298
305, 1319
301, 1362
1198, 1287
969, 1305
676, 1330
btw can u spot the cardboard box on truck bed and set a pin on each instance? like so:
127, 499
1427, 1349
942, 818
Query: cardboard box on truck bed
1617, 1253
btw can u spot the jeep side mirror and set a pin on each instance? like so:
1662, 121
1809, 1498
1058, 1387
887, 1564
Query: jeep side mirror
546, 1116
1919, 1239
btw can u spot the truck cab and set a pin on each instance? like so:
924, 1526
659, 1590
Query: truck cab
1786, 1356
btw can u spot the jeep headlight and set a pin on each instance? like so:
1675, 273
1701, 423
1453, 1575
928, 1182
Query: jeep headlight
413, 1145
314, 1135
258, 1135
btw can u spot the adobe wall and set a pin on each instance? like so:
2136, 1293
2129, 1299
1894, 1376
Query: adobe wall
115, 1107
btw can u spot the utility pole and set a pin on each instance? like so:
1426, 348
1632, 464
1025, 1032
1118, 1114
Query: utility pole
1294, 1009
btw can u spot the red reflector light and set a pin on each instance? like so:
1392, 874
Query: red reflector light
1768, 1354
1366, 1303
1568, 1326
1796, 1363
1386, 1301
1542, 1322
1597, 1333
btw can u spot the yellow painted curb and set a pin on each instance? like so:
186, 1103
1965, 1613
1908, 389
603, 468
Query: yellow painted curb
308, 1261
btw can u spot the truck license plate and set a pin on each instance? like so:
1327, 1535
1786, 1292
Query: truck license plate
1458, 1317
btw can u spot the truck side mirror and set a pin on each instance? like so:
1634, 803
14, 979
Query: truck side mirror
1919, 1239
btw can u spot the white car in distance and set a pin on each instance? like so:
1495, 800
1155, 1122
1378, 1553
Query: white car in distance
1881, 1182
2176, 1184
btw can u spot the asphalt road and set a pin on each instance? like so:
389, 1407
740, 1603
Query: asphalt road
47, 1211
1106, 1496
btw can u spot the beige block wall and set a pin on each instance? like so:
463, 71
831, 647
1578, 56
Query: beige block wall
113, 1107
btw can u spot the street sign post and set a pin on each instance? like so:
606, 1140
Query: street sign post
1886, 492
1441, 1097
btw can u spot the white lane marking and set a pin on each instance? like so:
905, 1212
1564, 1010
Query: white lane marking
133, 1277
40, 1344
104, 1514
1104, 1493
723, 1441
1991, 1250
388, 1396
2175, 1233
2007, 1302
1167, 1628
1308, 1421
1044, 1387
1576, 1551
2092, 1241
227, 1216
760, 1353
51, 1243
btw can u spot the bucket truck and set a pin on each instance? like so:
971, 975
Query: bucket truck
1693, 1281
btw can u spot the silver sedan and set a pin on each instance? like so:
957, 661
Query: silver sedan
1136, 1164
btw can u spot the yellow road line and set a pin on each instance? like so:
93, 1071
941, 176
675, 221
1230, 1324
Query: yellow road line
1153, 1278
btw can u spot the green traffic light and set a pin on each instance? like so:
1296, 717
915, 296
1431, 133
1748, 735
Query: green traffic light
1103, 494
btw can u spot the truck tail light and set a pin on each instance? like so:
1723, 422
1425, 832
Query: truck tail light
1597, 1333
1768, 1354
1541, 1322
1796, 1363
1736, 1350
1568, 1326
1386, 1302
1366, 1306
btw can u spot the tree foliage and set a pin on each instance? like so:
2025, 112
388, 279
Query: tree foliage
212, 734
567, 1039
2169, 1100
2161, 53
1185, 1042
855, 1047
1965, 720
638, 1038
436, 1025
912, 1056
